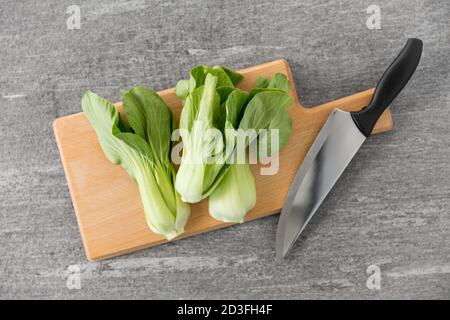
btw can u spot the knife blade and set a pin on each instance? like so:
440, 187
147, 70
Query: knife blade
336, 144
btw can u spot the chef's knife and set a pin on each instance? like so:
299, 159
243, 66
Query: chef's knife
337, 142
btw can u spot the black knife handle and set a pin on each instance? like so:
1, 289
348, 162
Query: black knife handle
389, 86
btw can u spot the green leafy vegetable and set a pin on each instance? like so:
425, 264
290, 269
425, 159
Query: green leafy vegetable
214, 117
234, 76
202, 124
262, 82
143, 150
266, 111
211, 103
279, 81
235, 195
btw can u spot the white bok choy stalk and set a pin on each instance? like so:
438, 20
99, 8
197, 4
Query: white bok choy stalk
142, 147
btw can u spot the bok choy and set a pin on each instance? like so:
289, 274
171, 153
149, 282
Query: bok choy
142, 147
202, 124
214, 115
266, 114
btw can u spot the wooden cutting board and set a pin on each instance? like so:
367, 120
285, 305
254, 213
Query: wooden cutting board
106, 200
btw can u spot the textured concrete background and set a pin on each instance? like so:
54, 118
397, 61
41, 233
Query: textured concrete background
391, 207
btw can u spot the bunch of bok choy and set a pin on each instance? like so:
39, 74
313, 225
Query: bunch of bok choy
218, 123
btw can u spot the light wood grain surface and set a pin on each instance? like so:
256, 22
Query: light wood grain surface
390, 208
107, 202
